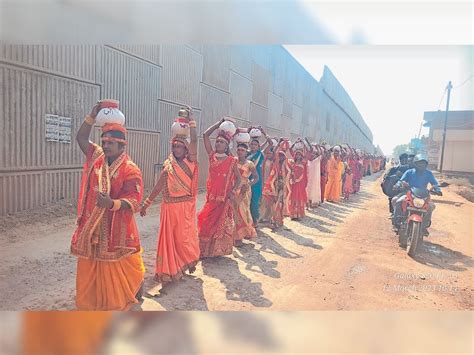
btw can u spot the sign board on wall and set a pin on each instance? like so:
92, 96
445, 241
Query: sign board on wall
433, 153
52, 128
58, 128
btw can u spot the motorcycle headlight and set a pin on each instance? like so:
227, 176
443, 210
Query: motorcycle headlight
418, 202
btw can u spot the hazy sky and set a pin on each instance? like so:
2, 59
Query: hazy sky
393, 85
395, 59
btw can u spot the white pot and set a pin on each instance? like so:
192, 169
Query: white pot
228, 127
299, 145
255, 133
242, 136
180, 128
110, 115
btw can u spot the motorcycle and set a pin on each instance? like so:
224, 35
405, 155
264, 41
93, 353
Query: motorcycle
415, 206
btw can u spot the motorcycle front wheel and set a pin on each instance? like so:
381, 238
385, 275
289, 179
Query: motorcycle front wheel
402, 235
414, 238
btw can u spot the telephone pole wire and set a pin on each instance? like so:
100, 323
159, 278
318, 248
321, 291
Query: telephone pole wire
450, 86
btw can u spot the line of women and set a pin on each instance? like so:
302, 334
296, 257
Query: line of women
263, 182
258, 184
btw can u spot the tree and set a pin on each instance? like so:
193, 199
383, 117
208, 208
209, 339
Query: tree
399, 149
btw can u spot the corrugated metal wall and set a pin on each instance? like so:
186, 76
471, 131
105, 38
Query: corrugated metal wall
27, 95
143, 148
259, 84
135, 83
67, 80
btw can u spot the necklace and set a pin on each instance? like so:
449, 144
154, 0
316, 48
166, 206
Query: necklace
221, 155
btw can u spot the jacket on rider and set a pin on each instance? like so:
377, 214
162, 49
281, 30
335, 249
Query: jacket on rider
418, 177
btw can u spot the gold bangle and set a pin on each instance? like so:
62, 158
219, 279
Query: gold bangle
116, 206
192, 124
89, 120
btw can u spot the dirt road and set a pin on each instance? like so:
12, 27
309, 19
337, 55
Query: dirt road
340, 257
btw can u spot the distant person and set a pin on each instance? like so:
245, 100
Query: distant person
313, 188
335, 168
244, 223
392, 177
216, 220
347, 184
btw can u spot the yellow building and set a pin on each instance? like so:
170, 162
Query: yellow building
459, 147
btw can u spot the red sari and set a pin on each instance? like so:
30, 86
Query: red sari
216, 219
178, 244
298, 195
356, 174
286, 175
366, 166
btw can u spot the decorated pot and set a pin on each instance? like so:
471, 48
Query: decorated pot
109, 113
255, 133
180, 127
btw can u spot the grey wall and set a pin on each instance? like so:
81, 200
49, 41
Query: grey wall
255, 84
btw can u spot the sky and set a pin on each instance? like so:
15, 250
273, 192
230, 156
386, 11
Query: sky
395, 61
393, 85
393, 57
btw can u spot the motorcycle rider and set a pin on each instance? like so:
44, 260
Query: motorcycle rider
392, 177
418, 177
411, 157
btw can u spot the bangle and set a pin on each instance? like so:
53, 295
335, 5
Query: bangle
192, 124
89, 120
147, 203
116, 206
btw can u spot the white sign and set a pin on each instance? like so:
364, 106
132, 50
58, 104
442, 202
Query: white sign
58, 128
65, 129
52, 128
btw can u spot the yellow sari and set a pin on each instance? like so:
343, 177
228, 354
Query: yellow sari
244, 227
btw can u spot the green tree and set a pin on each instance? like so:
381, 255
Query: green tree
399, 149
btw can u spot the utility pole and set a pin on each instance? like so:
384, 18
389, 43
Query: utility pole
419, 132
445, 126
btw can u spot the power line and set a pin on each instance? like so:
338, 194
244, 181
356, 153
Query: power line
442, 97
464, 82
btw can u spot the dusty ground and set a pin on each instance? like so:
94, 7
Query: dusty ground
340, 257
462, 185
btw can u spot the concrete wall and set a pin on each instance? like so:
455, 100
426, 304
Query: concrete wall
259, 84
459, 149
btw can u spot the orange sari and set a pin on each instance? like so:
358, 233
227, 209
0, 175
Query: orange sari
59, 333
110, 269
243, 218
335, 168
216, 219
178, 244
